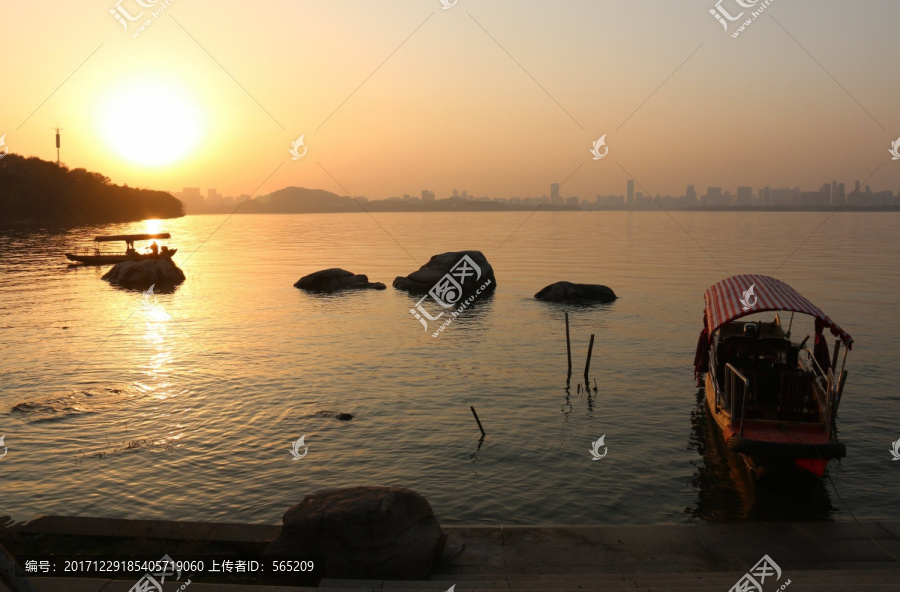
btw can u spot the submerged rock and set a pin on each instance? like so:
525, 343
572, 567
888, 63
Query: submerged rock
335, 415
364, 532
334, 280
145, 273
569, 292
427, 276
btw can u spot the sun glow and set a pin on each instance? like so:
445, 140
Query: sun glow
150, 121
152, 226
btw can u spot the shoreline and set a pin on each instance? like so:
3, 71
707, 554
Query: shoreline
822, 556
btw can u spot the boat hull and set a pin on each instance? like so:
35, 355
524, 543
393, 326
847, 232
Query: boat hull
117, 258
773, 457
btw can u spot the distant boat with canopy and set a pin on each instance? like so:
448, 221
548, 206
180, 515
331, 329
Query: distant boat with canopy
96, 256
773, 401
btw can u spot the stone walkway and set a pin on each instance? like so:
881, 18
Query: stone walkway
820, 556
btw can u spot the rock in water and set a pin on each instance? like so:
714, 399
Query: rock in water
334, 280
384, 533
464, 274
145, 273
569, 292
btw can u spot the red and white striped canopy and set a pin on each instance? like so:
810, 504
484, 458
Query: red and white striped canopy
742, 295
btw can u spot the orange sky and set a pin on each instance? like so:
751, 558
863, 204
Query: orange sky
500, 98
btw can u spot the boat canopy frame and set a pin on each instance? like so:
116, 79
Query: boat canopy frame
743, 295
130, 238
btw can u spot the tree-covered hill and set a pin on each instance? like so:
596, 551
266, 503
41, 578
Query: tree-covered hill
35, 190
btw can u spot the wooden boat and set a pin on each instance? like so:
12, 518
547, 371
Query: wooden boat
773, 401
97, 257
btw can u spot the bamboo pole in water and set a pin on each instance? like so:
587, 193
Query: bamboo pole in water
568, 345
478, 420
587, 363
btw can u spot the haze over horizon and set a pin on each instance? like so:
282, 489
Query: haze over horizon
500, 99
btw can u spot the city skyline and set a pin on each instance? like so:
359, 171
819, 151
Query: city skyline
829, 195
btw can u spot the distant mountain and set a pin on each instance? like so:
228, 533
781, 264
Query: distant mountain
38, 191
299, 200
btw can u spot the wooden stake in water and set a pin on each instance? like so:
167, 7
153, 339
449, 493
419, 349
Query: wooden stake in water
587, 363
478, 420
568, 345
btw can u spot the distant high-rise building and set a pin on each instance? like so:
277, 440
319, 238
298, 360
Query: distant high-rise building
427, 195
744, 196
840, 196
465, 194
629, 192
554, 190
690, 197
213, 199
193, 200
714, 197
455, 193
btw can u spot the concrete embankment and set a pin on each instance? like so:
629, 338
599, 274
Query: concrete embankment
820, 556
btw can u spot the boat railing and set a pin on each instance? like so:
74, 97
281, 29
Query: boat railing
86, 250
821, 375
712, 377
735, 382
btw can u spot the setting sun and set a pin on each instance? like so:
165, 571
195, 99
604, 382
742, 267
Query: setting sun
150, 121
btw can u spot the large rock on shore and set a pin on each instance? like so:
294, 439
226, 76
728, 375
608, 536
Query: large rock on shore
469, 269
335, 280
384, 533
569, 292
142, 274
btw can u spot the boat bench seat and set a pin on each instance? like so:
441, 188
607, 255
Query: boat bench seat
795, 399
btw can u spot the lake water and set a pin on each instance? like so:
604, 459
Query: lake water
186, 407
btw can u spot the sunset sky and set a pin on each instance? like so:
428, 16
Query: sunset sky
499, 98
